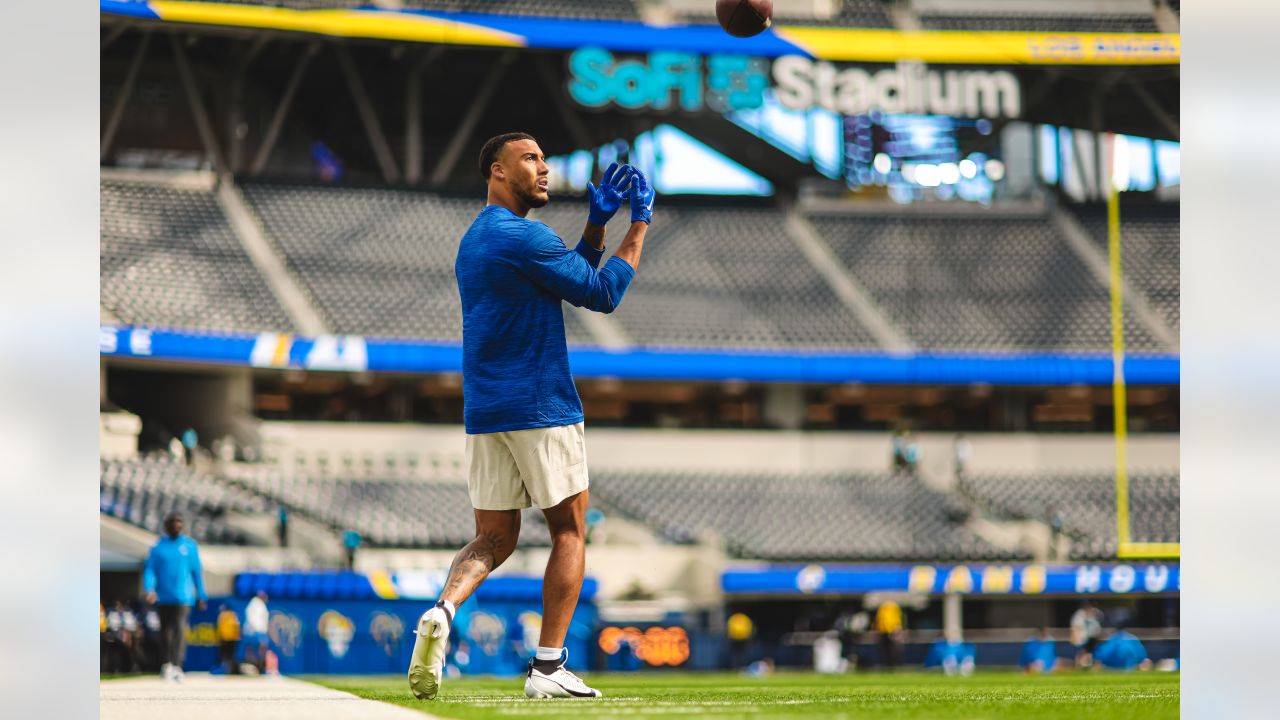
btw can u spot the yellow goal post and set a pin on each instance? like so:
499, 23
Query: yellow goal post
1126, 548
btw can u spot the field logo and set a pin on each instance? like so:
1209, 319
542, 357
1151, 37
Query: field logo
285, 631
487, 631
386, 630
337, 630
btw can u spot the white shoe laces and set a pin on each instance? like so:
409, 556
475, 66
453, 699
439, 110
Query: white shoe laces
564, 667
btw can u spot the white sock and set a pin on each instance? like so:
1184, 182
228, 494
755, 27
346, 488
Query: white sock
546, 653
453, 611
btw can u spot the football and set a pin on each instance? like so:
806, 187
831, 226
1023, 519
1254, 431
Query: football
744, 18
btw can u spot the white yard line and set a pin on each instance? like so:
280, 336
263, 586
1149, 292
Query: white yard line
205, 697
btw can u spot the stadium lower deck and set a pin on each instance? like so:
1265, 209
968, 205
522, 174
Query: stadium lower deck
773, 516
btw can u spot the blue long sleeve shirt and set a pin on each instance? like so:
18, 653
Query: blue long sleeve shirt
512, 275
173, 571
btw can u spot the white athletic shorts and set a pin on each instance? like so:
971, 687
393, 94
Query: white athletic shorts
539, 466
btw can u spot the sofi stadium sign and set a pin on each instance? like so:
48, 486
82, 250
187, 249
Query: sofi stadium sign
688, 81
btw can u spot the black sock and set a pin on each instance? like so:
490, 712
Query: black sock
546, 667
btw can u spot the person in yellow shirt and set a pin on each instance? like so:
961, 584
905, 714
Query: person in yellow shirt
102, 638
889, 625
740, 631
228, 639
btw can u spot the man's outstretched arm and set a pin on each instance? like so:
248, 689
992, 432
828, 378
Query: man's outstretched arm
570, 275
633, 244
642, 197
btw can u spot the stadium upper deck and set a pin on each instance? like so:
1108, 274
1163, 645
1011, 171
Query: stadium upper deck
392, 104
379, 263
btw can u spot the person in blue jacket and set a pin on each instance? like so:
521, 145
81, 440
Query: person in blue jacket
1039, 654
174, 581
1123, 651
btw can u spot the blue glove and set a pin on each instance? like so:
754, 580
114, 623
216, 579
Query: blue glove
606, 199
642, 196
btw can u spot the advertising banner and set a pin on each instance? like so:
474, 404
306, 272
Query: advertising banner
376, 636
975, 579
352, 353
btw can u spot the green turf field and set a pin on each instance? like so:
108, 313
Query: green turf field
914, 696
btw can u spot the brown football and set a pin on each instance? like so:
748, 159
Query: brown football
744, 18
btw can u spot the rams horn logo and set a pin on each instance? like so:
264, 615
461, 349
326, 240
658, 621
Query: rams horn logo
386, 630
337, 630
487, 632
285, 631
531, 626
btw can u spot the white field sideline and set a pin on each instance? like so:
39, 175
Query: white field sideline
204, 697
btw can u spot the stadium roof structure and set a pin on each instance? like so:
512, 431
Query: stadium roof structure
453, 66
551, 33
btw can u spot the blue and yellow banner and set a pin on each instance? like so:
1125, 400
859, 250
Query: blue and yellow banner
354, 353
369, 635
822, 43
963, 579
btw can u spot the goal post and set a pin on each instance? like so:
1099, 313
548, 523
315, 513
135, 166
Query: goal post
1126, 547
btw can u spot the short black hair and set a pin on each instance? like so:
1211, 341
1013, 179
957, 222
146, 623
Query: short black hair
494, 145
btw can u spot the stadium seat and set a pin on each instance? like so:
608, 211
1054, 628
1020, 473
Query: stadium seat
796, 516
987, 283
387, 511
169, 259
1086, 504
144, 490
1150, 250
377, 262
725, 277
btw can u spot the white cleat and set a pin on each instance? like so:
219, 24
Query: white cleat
559, 683
427, 664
